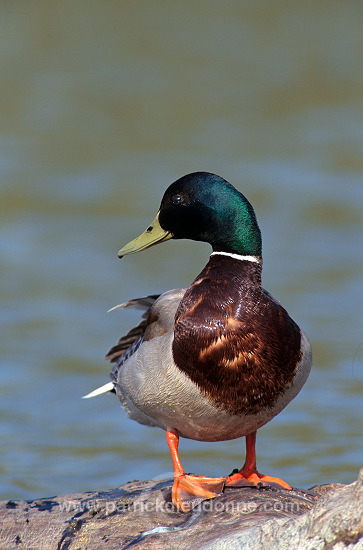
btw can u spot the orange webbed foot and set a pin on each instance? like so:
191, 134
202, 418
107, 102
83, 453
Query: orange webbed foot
249, 476
255, 479
188, 491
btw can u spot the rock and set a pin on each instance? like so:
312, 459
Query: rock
140, 515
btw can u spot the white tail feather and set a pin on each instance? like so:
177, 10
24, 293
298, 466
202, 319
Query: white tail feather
102, 389
116, 307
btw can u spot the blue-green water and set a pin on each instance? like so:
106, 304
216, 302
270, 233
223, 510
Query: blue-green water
102, 107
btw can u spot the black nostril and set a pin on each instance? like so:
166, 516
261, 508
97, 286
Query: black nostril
150, 228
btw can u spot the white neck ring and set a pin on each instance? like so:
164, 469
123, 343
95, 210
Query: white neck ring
238, 257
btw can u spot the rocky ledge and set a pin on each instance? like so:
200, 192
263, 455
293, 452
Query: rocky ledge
140, 515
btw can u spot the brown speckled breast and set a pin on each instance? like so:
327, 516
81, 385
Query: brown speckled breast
233, 339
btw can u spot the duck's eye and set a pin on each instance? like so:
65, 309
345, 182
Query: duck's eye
177, 199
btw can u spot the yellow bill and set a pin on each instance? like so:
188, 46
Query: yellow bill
154, 234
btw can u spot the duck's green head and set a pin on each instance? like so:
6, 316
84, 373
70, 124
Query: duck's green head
203, 207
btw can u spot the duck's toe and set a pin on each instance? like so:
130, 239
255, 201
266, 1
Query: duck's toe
188, 490
255, 479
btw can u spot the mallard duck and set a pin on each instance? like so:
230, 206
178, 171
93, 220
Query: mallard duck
220, 359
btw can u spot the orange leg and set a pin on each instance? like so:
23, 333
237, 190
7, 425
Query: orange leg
188, 490
248, 475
